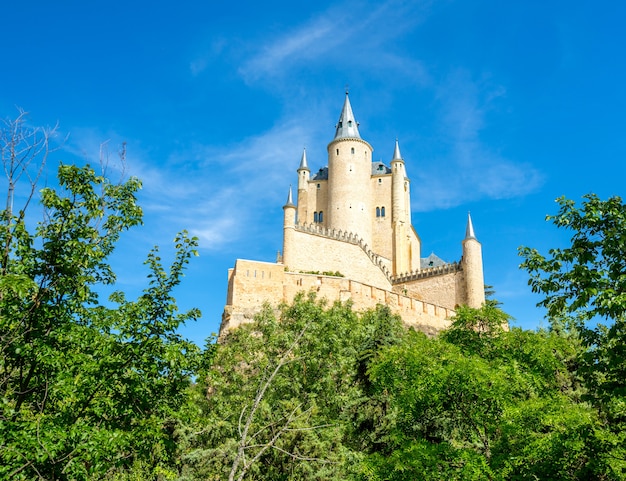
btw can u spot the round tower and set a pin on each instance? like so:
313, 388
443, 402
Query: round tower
472, 263
399, 208
349, 174
289, 227
303, 189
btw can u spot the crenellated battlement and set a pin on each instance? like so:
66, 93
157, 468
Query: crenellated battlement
253, 284
345, 236
427, 272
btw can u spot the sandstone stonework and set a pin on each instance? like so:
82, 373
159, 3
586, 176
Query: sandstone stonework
349, 237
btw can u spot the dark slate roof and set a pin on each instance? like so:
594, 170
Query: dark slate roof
431, 261
378, 168
321, 174
347, 127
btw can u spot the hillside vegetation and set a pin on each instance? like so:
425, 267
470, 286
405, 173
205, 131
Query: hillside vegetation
310, 391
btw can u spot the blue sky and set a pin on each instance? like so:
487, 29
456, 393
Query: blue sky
499, 108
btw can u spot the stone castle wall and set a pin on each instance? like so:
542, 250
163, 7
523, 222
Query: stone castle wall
320, 249
444, 286
252, 284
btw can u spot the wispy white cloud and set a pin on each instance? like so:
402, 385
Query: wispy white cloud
469, 170
347, 34
227, 186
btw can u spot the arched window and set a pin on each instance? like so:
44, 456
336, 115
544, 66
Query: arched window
321, 217
352, 150
377, 211
315, 217
382, 212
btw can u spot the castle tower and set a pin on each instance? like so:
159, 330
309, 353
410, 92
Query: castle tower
303, 180
349, 173
289, 227
472, 262
400, 221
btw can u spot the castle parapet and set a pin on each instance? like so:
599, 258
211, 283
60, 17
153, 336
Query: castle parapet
349, 237
428, 272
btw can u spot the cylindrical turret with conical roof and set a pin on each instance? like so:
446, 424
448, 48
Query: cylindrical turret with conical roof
349, 174
400, 222
289, 223
303, 185
472, 262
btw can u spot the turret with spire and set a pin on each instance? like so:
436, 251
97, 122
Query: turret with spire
472, 262
303, 185
289, 223
349, 178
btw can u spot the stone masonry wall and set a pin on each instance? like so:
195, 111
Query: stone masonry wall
252, 283
320, 253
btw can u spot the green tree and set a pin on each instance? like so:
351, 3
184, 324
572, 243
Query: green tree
480, 403
85, 388
584, 287
285, 392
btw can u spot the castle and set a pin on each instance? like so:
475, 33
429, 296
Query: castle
349, 237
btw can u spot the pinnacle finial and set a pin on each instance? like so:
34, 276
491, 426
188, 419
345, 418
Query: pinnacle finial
469, 230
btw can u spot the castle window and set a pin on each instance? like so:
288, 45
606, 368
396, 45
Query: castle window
337, 151
321, 217
349, 123
382, 211
377, 211
319, 185
352, 150
315, 217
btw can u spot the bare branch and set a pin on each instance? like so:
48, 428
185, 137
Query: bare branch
244, 439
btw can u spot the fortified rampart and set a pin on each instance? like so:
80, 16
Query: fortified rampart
326, 250
251, 284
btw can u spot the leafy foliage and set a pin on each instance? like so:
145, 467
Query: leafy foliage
85, 387
584, 286
474, 406
587, 278
283, 391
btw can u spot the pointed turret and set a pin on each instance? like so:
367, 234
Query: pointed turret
403, 261
304, 175
303, 162
396, 152
347, 127
472, 262
469, 230
289, 223
349, 196
289, 199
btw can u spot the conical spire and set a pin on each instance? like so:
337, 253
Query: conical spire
469, 230
303, 162
347, 127
396, 152
289, 198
